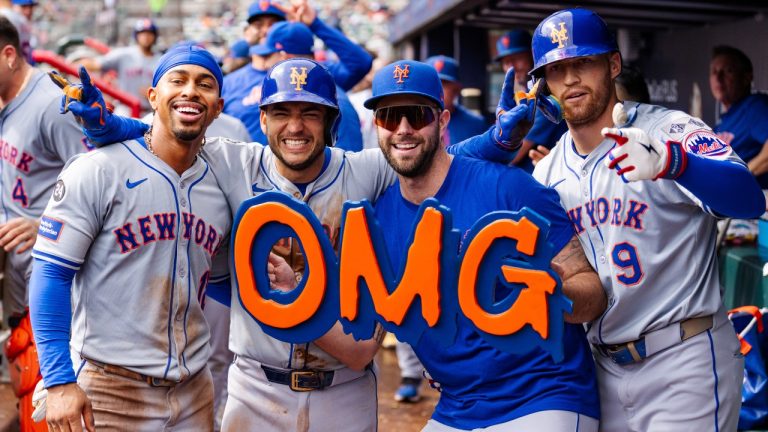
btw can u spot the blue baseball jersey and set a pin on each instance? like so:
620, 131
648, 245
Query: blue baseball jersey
350, 135
241, 92
481, 385
745, 128
465, 124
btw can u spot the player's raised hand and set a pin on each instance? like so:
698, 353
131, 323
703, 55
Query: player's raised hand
513, 120
89, 108
19, 233
280, 273
298, 11
537, 154
640, 157
68, 409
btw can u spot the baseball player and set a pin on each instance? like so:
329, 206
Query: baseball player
464, 123
642, 186
134, 64
335, 371
513, 51
23, 27
36, 142
483, 388
133, 234
242, 89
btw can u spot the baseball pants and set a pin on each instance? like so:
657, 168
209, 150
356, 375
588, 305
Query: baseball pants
695, 385
410, 366
549, 421
125, 404
217, 316
254, 403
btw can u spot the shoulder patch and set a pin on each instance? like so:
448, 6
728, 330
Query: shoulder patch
696, 122
677, 128
59, 190
50, 228
706, 143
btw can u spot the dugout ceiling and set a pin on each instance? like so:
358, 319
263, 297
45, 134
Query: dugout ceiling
422, 15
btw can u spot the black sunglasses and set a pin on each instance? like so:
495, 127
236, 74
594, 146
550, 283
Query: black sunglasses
418, 116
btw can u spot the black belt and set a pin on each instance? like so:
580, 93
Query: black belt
299, 380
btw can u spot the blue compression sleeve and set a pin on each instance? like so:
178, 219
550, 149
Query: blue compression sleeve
118, 129
354, 62
50, 310
220, 291
727, 188
483, 147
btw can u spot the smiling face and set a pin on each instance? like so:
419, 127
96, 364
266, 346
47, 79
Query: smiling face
583, 85
186, 100
296, 134
408, 145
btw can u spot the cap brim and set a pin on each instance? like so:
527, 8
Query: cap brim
448, 78
372, 102
261, 50
510, 51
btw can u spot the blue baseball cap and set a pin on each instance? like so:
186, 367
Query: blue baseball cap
291, 37
406, 77
239, 49
447, 67
263, 7
512, 42
25, 2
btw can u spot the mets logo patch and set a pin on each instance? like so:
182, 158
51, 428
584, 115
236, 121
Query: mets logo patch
706, 143
50, 228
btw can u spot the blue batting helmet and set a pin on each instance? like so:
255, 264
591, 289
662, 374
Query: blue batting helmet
406, 77
264, 7
302, 80
144, 25
570, 33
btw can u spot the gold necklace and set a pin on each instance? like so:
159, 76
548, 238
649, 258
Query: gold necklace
148, 140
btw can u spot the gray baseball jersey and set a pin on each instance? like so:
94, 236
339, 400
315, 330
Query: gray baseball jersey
245, 170
134, 70
35, 143
145, 242
633, 233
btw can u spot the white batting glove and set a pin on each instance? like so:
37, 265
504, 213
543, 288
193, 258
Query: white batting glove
39, 398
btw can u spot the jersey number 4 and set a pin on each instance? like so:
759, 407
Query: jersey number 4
625, 257
19, 194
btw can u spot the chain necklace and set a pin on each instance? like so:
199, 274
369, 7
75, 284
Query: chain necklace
148, 140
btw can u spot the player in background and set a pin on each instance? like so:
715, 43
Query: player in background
464, 123
336, 371
483, 388
643, 186
242, 89
743, 122
23, 27
237, 57
132, 234
35, 143
134, 64
513, 51
25, 7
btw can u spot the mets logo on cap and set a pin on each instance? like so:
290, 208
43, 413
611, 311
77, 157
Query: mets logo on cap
439, 65
400, 73
505, 41
264, 5
559, 35
299, 79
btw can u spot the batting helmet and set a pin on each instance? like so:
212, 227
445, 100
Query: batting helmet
570, 33
264, 7
144, 25
302, 80
406, 77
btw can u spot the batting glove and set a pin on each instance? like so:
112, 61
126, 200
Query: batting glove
639, 157
513, 120
100, 126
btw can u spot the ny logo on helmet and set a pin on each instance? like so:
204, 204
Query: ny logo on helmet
299, 79
559, 35
401, 73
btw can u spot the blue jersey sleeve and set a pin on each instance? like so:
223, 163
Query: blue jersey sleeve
353, 63
350, 138
483, 147
736, 192
50, 309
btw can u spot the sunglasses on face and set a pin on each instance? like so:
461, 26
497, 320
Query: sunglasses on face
418, 116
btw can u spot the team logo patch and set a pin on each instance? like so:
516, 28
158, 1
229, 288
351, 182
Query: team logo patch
59, 190
264, 5
677, 128
299, 79
706, 143
559, 35
50, 228
401, 73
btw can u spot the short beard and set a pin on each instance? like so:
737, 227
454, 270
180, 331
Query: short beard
187, 135
423, 161
600, 98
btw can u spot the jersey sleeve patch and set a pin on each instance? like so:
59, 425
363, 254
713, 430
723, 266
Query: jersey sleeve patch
50, 228
706, 143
